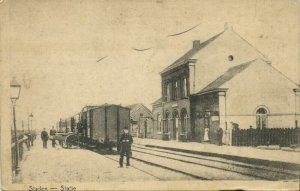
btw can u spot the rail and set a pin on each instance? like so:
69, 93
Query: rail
17, 156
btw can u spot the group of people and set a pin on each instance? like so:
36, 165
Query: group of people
125, 144
219, 135
45, 137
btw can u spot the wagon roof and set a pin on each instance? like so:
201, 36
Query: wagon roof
90, 107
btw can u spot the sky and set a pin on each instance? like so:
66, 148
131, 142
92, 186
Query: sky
52, 47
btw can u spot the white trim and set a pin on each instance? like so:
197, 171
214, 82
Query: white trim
261, 106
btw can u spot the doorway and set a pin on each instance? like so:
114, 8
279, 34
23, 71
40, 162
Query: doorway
175, 125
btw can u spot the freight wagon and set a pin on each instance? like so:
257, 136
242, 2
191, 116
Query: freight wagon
98, 126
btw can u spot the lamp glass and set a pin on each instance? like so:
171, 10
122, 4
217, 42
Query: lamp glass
15, 92
15, 89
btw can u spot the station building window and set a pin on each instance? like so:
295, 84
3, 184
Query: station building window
184, 88
159, 122
261, 118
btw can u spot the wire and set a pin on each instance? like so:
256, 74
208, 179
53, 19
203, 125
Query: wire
141, 49
101, 58
184, 31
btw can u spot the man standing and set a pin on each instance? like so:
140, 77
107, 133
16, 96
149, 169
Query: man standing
44, 136
220, 136
52, 135
125, 144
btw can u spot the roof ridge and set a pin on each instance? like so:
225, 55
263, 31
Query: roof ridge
250, 44
157, 100
141, 105
217, 80
270, 65
192, 51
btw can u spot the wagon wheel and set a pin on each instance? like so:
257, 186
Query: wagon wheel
70, 141
64, 144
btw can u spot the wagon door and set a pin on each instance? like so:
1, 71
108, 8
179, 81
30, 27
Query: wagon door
124, 116
99, 132
112, 123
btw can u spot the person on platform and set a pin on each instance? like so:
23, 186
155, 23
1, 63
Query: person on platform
220, 136
125, 147
44, 136
52, 135
206, 135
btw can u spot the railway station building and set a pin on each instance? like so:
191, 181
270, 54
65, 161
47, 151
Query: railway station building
220, 82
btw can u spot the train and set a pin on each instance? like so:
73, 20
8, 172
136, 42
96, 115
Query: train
97, 127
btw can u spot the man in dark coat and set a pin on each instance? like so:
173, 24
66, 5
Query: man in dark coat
44, 136
220, 135
125, 147
52, 135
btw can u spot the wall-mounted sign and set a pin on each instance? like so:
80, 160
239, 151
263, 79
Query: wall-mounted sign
174, 105
214, 118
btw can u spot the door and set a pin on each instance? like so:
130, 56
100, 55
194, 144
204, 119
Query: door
175, 125
145, 127
175, 129
207, 126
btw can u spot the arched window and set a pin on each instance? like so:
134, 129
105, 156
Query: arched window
184, 120
261, 118
159, 122
166, 123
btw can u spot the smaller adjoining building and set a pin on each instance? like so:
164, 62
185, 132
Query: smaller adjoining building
141, 121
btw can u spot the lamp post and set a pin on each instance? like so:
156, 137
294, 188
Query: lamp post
15, 89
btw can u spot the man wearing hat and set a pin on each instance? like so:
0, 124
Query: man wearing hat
125, 146
44, 136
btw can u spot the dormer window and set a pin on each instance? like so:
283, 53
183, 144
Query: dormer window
230, 58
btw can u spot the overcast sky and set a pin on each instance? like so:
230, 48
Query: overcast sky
52, 47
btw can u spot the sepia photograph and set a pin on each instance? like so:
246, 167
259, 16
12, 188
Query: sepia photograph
149, 95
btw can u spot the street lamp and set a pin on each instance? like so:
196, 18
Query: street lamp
15, 90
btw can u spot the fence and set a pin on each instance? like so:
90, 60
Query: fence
283, 137
21, 141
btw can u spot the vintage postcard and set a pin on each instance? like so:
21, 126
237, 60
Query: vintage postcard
150, 95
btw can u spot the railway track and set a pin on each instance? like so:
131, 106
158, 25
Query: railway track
245, 170
162, 163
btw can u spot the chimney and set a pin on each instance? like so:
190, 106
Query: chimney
227, 26
196, 43
269, 62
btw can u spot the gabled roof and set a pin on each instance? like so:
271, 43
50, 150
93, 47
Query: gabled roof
136, 107
182, 60
158, 101
228, 75
133, 105
91, 107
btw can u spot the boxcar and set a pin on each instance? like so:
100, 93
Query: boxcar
104, 123
61, 125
